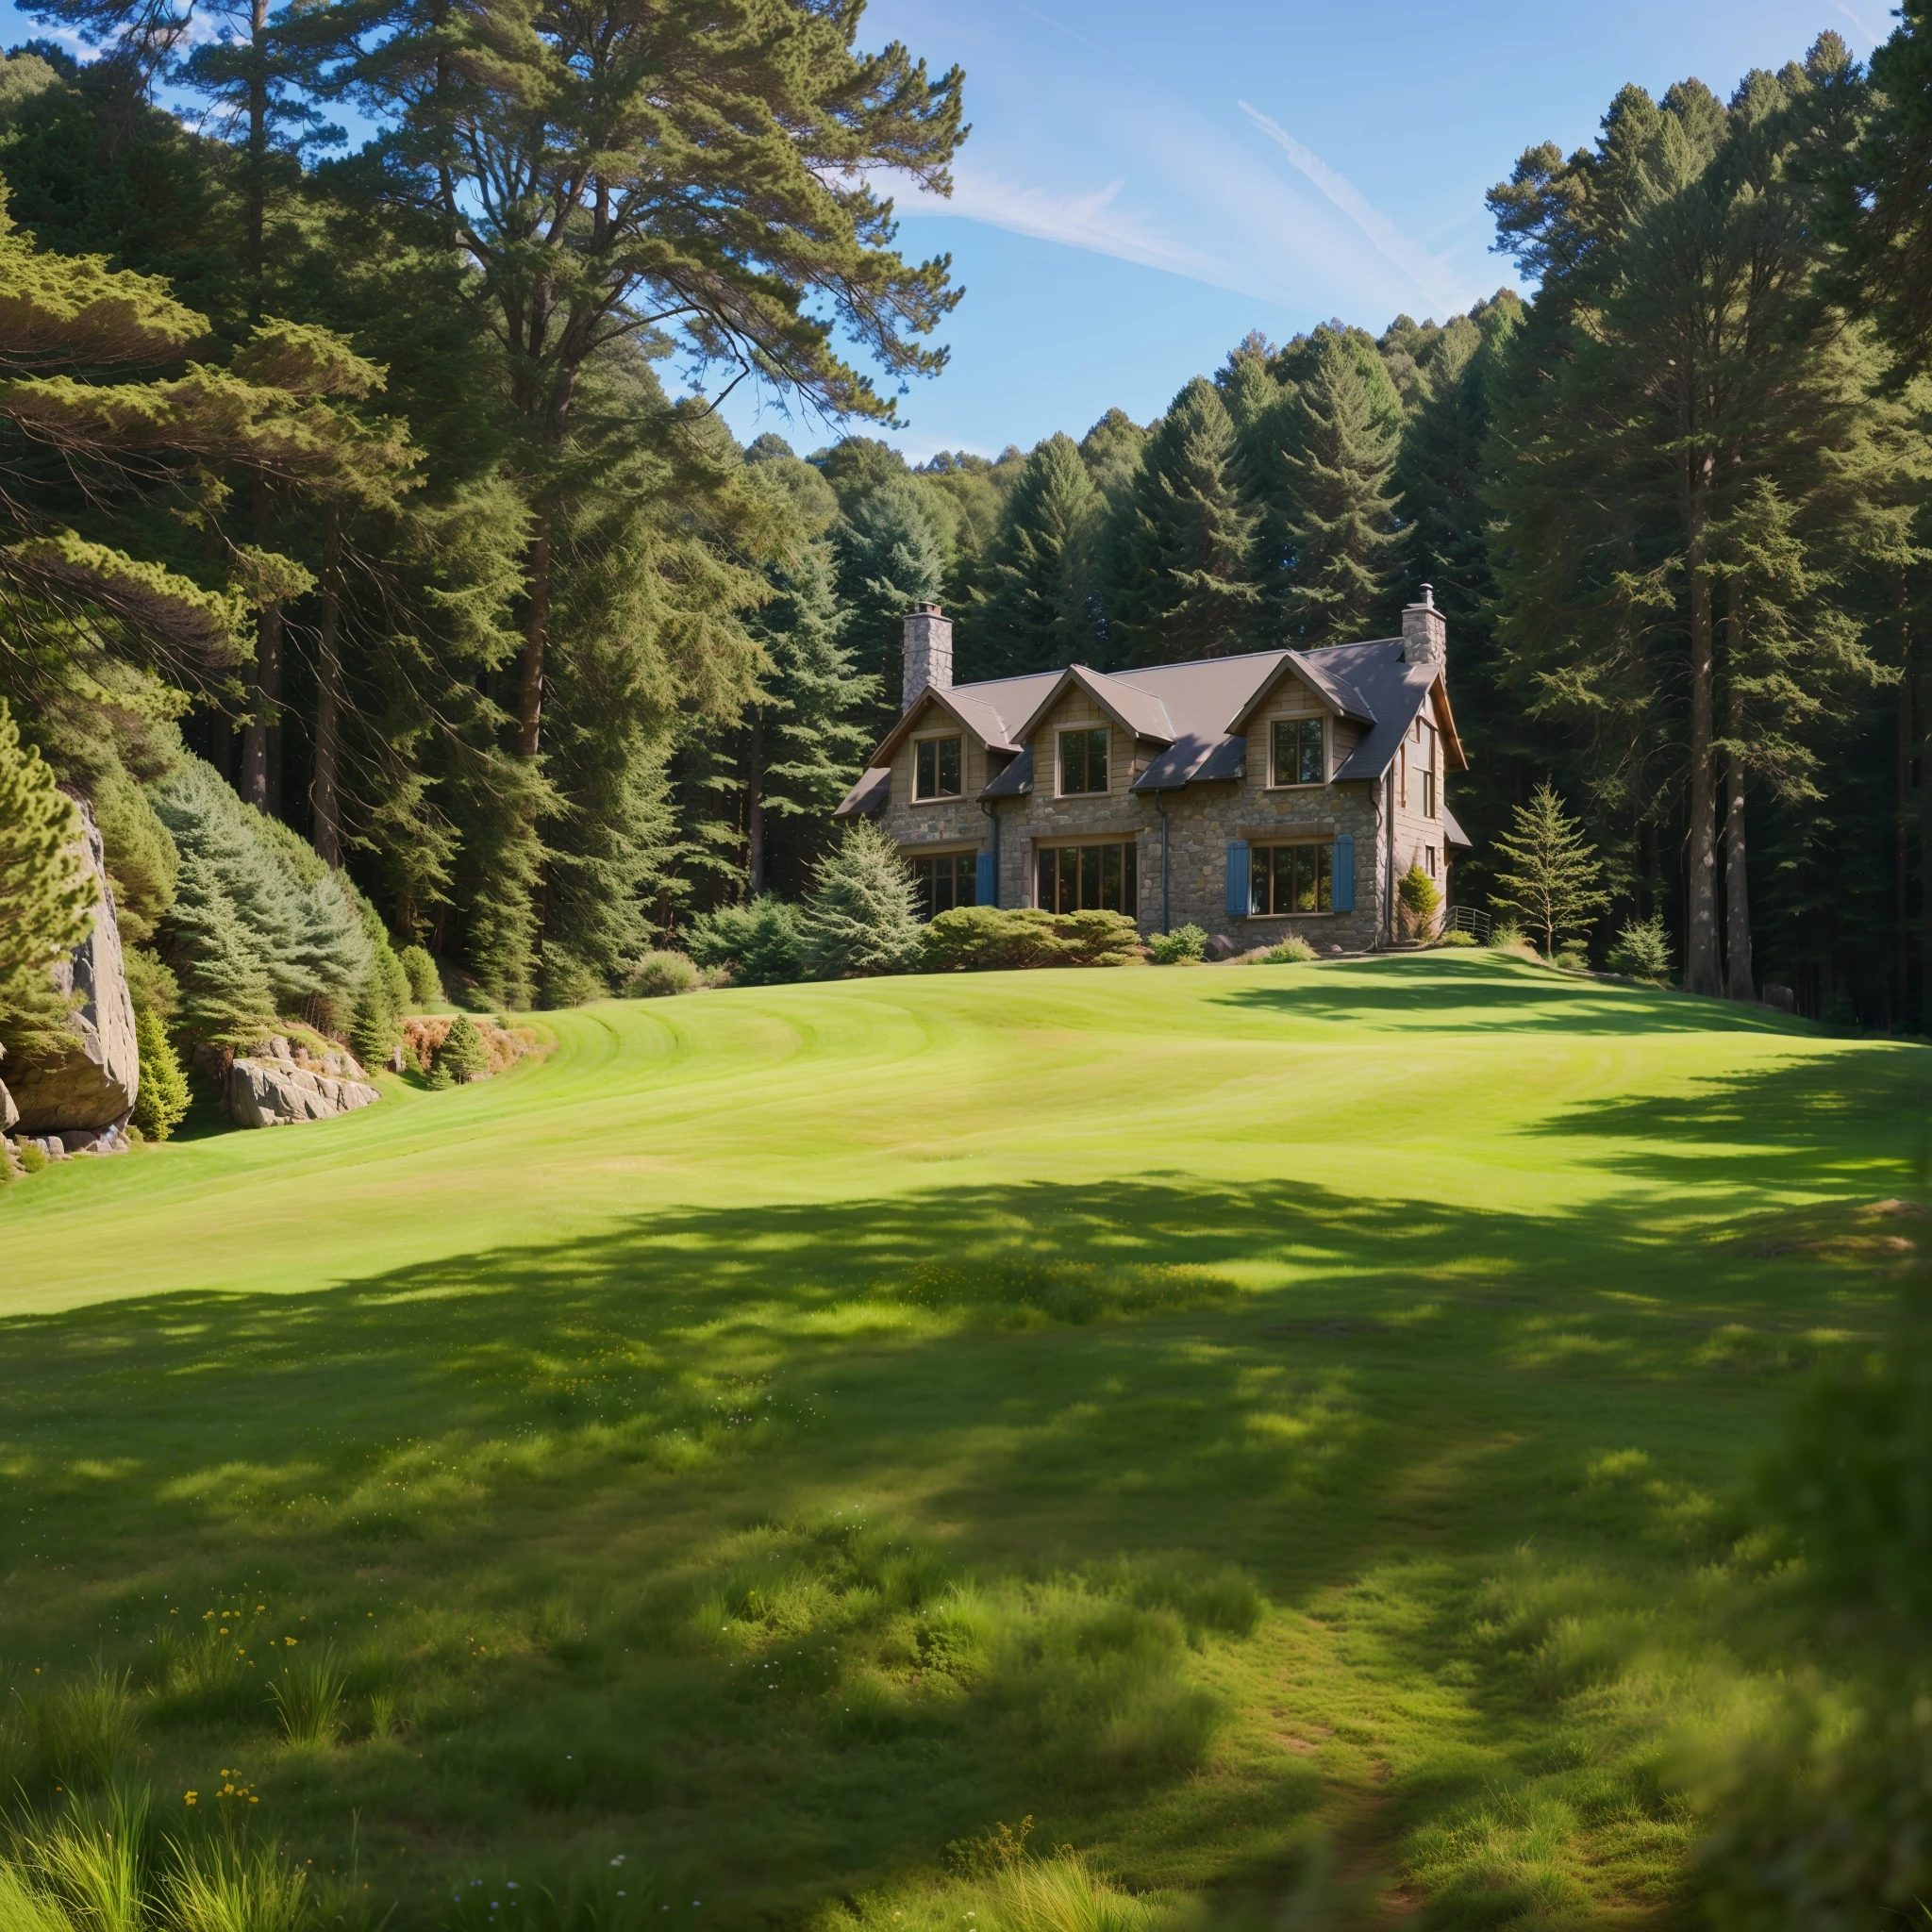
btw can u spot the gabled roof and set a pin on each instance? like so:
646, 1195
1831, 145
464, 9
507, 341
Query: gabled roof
1335, 692
1196, 711
1128, 705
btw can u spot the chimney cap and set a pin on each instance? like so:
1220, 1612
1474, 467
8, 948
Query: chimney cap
1427, 599
924, 610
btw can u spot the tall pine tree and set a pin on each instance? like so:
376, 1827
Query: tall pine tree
1041, 608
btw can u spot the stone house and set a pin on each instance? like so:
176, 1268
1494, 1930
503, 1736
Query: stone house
1275, 792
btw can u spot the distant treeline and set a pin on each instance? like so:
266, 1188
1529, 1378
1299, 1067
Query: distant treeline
372, 498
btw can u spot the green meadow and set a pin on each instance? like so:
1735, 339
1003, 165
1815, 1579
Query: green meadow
1285, 1432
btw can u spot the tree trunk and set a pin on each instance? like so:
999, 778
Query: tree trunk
1701, 972
261, 747
261, 750
323, 795
257, 149
1902, 885
1741, 982
536, 636
754, 802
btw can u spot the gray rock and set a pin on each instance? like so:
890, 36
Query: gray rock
1221, 947
10, 1114
1781, 998
274, 1092
91, 1084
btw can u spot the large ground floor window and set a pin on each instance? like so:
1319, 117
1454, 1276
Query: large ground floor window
950, 879
1291, 878
1079, 878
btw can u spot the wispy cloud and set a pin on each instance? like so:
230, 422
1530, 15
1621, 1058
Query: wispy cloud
1434, 278
1095, 222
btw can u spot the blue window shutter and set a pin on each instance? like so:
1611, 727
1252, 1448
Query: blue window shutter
1342, 894
986, 890
1238, 903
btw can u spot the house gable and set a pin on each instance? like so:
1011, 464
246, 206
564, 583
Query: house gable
1078, 708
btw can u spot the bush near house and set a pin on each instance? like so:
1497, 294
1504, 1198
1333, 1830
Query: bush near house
1180, 947
994, 938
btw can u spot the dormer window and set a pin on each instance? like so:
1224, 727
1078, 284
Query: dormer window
1299, 754
1083, 762
937, 767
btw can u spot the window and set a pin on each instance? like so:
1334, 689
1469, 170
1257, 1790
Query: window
1083, 762
1291, 878
1429, 853
947, 881
1428, 794
935, 768
1298, 759
1079, 878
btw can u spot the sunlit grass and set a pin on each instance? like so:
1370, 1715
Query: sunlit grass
1284, 1431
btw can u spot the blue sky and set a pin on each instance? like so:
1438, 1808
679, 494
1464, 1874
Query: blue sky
1147, 180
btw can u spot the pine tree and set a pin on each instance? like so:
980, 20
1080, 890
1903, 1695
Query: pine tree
1552, 877
1041, 608
1184, 586
892, 553
863, 917
462, 1055
46, 895
227, 998
1330, 545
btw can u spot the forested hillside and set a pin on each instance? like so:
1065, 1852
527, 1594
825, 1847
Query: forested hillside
389, 483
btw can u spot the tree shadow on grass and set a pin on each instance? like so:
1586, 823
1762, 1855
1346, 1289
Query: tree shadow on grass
1489, 992
1111, 1385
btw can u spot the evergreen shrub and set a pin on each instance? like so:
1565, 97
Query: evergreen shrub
1644, 950
375, 1028
47, 896
161, 1098
1422, 901
1292, 951
462, 1055
863, 917
568, 980
758, 945
425, 984
660, 973
991, 939
1180, 947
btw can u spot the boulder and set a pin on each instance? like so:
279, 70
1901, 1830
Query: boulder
272, 1092
10, 1114
1220, 948
1780, 999
90, 1084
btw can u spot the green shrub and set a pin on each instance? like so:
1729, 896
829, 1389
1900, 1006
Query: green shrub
756, 944
863, 917
161, 1098
1572, 960
990, 939
568, 981
30, 1157
1421, 902
1505, 936
425, 984
1176, 948
1292, 951
462, 1055
1642, 950
1456, 936
660, 973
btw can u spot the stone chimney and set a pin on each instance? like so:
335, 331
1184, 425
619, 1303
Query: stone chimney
1425, 632
928, 652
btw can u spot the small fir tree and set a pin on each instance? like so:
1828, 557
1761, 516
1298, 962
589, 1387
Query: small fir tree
226, 997
419, 968
863, 917
161, 1098
1644, 950
1552, 877
462, 1055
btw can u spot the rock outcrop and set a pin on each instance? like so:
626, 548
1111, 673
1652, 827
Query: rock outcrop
278, 1083
10, 1114
89, 1087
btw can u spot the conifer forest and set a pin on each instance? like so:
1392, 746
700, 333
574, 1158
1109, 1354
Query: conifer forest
378, 482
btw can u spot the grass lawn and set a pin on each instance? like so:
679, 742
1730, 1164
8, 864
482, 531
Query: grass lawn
1282, 1429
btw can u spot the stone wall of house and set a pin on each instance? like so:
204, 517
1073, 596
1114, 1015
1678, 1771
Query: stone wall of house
940, 825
